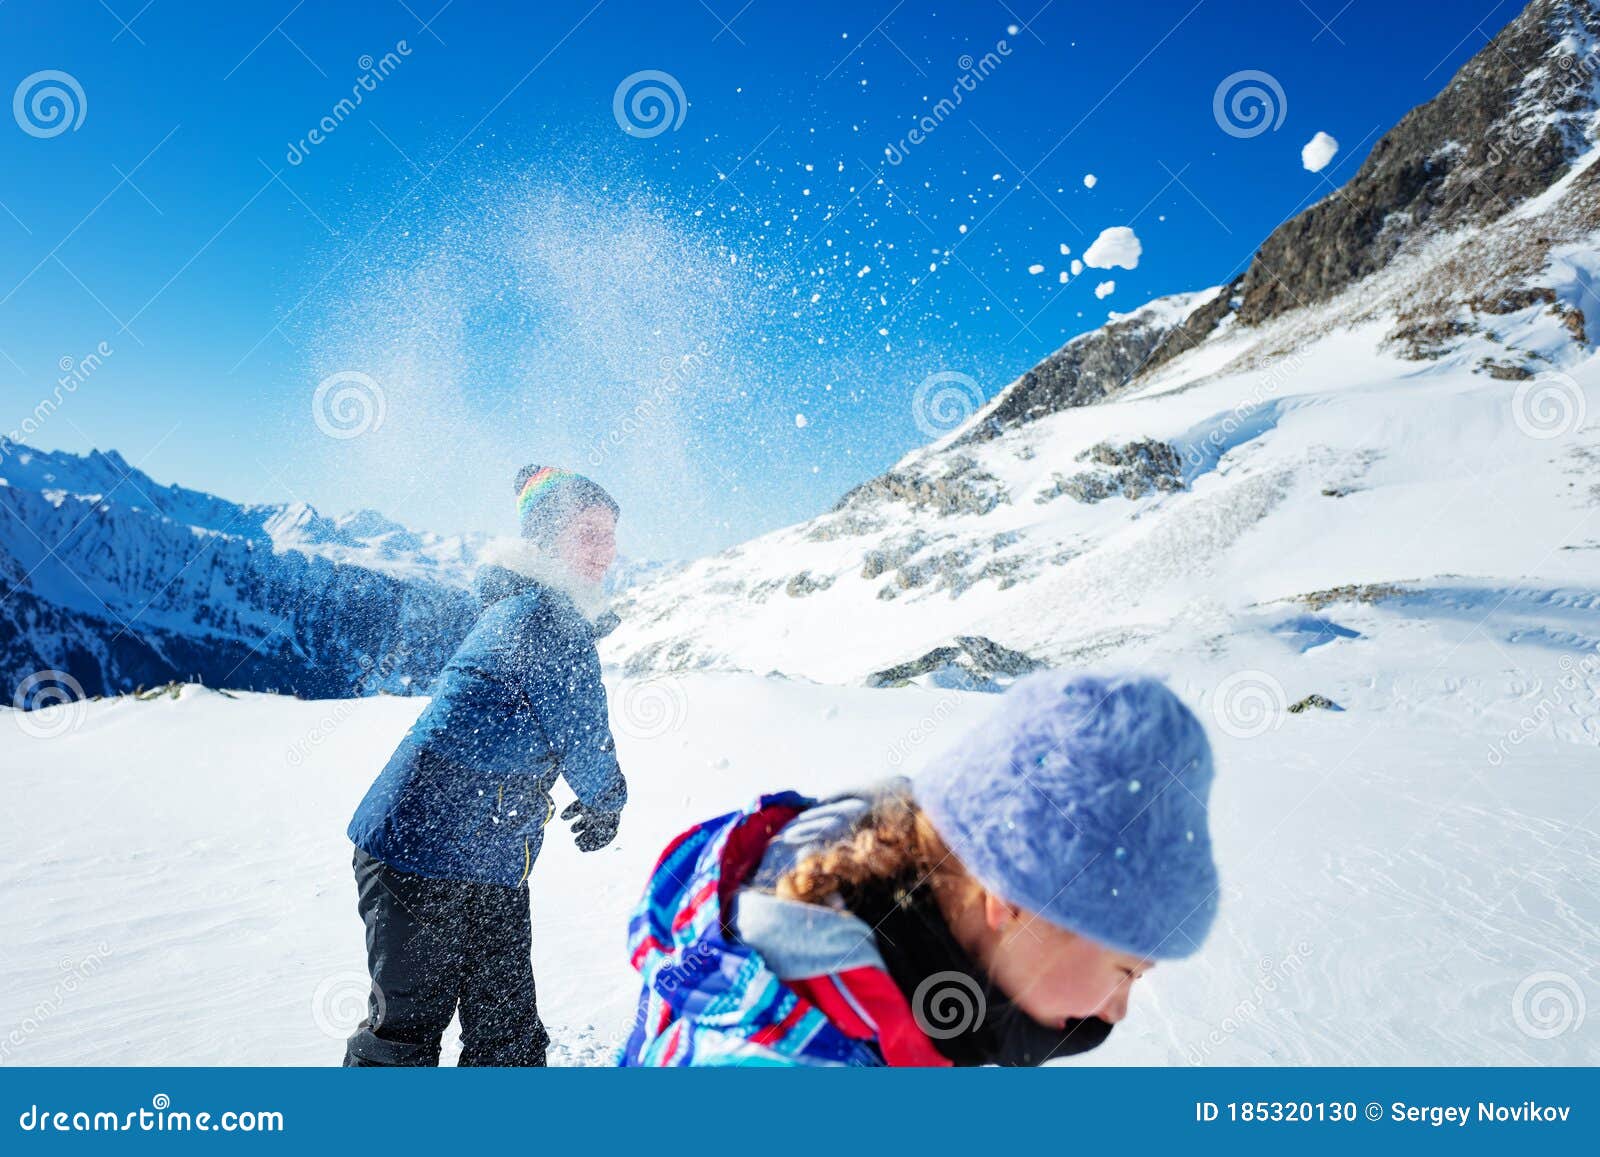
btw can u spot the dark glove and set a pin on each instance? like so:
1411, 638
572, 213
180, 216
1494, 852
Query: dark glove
593, 829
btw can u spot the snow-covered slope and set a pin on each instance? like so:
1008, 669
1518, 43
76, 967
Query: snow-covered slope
1411, 400
1407, 880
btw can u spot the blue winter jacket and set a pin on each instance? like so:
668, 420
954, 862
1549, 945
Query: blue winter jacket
466, 795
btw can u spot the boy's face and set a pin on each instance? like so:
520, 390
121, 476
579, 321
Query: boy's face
588, 544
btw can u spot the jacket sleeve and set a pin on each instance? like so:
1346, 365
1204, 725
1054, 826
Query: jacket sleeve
480, 717
559, 671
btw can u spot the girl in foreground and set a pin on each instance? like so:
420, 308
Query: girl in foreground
996, 911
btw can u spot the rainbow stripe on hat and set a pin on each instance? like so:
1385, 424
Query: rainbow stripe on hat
540, 483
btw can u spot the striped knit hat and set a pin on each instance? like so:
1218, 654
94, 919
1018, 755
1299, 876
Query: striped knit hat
549, 497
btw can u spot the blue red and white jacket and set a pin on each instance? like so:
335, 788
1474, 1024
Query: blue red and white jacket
733, 975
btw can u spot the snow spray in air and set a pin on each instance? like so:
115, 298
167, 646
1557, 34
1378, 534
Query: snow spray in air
533, 323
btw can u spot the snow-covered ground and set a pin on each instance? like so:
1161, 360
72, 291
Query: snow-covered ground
1413, 879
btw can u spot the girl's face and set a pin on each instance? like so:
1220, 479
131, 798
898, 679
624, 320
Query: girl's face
1050, 973
588, 544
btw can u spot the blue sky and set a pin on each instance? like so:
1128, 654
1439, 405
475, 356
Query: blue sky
725, 321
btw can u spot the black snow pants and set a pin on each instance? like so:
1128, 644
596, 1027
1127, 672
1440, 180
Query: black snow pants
433, 945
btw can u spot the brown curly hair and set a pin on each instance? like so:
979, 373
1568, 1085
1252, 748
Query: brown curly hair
894, 841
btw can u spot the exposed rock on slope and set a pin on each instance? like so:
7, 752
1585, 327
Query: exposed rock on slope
1505, 129
970, 662
1132, 470
1089, 368
960, 487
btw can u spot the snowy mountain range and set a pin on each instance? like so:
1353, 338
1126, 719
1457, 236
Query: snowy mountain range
119, 582
1390, 415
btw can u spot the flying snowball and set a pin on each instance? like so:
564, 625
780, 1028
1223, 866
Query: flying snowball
1035, 270
1116, 246
1318, 151
1105, 289
801, 422
1090, 180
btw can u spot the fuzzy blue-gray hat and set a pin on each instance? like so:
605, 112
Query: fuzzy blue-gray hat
1084, 800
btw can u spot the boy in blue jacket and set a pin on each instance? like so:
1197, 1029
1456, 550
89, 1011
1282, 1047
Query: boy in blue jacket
447, 835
